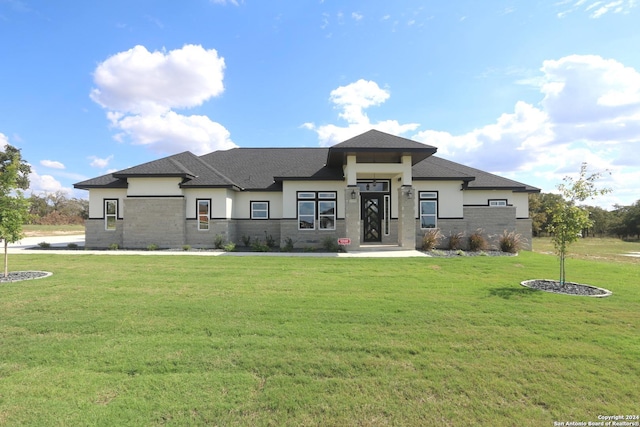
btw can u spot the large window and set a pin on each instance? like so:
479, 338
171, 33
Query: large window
317, 210
259, 210
428, 209
110, 214
204, 213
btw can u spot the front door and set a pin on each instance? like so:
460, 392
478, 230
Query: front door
372, 217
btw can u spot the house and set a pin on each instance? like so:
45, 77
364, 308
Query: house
374, 188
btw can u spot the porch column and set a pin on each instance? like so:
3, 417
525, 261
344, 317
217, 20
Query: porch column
352, 216
406, 217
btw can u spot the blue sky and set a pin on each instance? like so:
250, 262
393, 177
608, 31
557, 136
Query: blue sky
525, 89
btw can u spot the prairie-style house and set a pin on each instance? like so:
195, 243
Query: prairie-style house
374, 188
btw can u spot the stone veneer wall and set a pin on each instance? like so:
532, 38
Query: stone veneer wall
308, 238
206, 238
153, 220
96, 237
492, 220
256, 229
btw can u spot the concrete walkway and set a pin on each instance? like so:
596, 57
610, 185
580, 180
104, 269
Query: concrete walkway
29, 245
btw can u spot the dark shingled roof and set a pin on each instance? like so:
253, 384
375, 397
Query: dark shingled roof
266, 168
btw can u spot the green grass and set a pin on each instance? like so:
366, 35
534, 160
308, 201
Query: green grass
591, 248
157, 340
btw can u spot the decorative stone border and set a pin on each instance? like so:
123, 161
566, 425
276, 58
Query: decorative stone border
569, 288
18, 276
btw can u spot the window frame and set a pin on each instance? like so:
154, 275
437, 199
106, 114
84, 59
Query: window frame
107, 215
254, 210
200, 216
426, 198
315, 217
498, 203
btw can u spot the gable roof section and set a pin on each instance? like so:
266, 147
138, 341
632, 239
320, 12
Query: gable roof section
436, 168
375, 145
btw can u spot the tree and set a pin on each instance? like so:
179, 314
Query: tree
14, 208
567, 219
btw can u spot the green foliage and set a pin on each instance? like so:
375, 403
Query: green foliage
258, 246
14, 208
269, 240
229, 247
431, 239
219, 241
57, 209
186, 248
477, 241
511, 242
288, 245
246, 240
330, 244
114, 247
568, 220
44, 245
72, 246
152, 247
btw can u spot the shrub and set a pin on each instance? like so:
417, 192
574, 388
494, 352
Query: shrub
44, 245
246, 240
152, 247
186, 248
229, 247
72, 246
269, 240
455, 241
477, 242
288, 245
114, 247
510, 242
330, 244
219, 241
431, 239
258, 246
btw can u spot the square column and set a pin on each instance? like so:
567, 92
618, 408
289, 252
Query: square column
407, 217
352, 216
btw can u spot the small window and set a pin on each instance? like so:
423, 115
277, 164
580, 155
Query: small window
496, 203
307, 195
110, 214
326, 195
204, 211
428, 209
259, 210
306, 215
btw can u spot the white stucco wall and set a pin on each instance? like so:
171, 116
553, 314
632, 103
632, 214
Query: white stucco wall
96, 200
482, 197
242, 203
221, 201
154, 186
450, 197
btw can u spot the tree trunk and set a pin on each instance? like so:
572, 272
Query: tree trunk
6, 258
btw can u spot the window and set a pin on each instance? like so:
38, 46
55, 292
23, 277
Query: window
428, 209
204, 211
496, 203
259, 210
110, 214
322, 203
387, 215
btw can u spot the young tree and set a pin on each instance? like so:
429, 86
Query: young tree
568, 220
14, 208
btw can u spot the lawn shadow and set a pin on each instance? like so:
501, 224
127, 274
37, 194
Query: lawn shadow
514, 292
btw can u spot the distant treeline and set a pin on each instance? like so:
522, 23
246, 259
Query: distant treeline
57, 209
622, 221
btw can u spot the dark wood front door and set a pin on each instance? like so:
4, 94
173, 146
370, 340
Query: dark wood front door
372, 217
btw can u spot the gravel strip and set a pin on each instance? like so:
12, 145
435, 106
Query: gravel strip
569, 288
18, 276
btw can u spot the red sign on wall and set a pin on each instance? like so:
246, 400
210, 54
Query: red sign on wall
344, 241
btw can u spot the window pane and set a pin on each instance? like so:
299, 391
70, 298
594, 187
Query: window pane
327, 222
428, 195
308, 195
259, 206
259, 214
203, 222
111, 207
326, 195
203, 207
327, 208
306, 222
427, 208
306, 208
111, 222
427, 221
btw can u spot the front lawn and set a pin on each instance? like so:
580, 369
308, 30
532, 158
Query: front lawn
145, 340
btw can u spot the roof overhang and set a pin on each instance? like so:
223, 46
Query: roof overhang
337, 156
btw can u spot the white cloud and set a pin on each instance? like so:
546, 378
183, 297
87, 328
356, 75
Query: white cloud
140, 90
352, 100
100, 163
357, 16
42, 184
52, 164
173, 132
596, 9
224, 2
4, 140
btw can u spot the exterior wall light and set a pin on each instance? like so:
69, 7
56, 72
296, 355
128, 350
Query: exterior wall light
409, 194
353, 194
